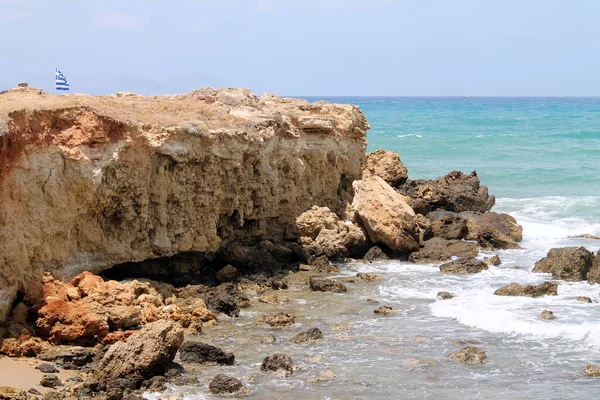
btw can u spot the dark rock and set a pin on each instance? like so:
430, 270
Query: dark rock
202, 353
493, 260
372, 301
311, 335
469, 355
94, 385
47, 368
592, 370
375, 254
225, 298
50, 381
279, 320
385, 310
278, 365
326, 285
547, 314
453, 192
445, 295
223, 384
119, 387
386, 165
514, 289
155, 384
33, 391
75, 356
438, 250
567, 263
448, 225
263, 256
493, 230
467, 265
226, 274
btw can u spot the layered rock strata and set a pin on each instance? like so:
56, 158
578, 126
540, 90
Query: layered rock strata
90, 182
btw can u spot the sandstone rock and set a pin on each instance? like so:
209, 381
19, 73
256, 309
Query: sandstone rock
68, 355
375, 254
50, 381
146, 353
592, 370
385, 215
514, 289
437, 250
385, 310
278, 365
445, 295
279, 320
469, 355
99, 181
453, 192
448, 226
202, 353
274, 299
226, 274
547, 314
583, 299
309, 336
326, 285
493, 230
340, 327
11, 393
227, 385
362, 277
593, 275
493, 260
23, 346
268, 339
465, 265
568, 263
387, 166
322, 233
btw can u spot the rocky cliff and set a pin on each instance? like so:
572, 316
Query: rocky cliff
90, 182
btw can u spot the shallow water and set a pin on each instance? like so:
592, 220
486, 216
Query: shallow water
541, 158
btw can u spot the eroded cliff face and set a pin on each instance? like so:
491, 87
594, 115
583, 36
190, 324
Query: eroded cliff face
90, 182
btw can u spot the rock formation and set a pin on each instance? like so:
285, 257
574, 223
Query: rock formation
90, 182
570, 264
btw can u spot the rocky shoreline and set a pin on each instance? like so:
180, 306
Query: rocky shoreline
138, 323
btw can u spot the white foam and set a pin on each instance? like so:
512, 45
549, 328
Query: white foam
409, 135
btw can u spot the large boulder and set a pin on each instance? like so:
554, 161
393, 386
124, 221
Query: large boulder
465, 265
386, 165
437, 250
145, 354
448, 225
514, 289
453, 192
567, 263
493, 230
322, 233
387, 218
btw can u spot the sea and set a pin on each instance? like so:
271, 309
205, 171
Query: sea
540, 157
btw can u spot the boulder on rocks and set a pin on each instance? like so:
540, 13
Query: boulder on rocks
465, 265
454, 192
375, 254
444, 295
448, 225
223, 384
279, 320
514, 289
387, 218
437, 250
12, 393
386, 165
226, 274
322, 233
309, 336
326, 285
385, 310
547, 314
592, 370
145, 354
278, 365
493, 260
492, 230
204, 353
469, 355
567, 263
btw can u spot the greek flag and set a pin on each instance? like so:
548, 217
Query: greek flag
61, 81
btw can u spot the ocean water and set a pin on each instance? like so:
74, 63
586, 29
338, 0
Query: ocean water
541, 158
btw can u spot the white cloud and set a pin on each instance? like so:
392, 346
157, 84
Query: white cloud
115, 20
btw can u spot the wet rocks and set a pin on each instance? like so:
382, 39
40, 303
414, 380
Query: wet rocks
145, 354
226, 274
375, 254
592, 370
227, 385
514, 289
567, 263
448, 226
309, 336
387, 218
493, 260
493, 230
278, 365
437, 250
274, 299
547, 314
203, 353
50, 381
268, 339
469, 355
466, 265
387, 166
279, 320
444, 296
385, 310
225, 298
583, 299
326, 285
363, 277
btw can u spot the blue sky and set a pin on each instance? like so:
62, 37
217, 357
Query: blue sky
306, 47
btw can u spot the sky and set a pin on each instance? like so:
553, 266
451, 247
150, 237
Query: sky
306, 47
